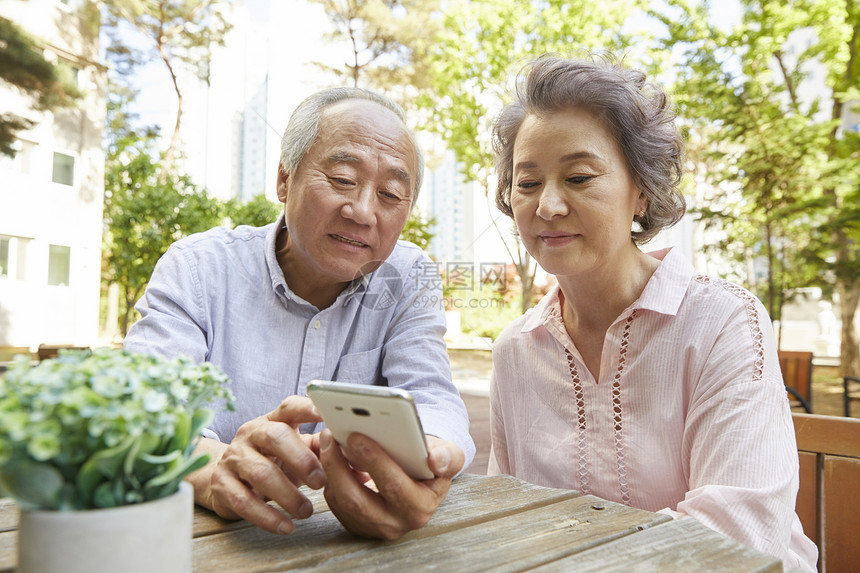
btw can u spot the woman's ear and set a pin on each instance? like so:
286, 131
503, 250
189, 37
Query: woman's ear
641, 204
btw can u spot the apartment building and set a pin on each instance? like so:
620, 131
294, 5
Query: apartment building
51, 192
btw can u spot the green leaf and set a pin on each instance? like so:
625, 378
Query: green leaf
175, 474
181, 433
34, 485
103, 496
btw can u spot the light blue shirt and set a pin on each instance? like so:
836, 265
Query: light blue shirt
221, 296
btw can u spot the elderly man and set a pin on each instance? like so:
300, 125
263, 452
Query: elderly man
326, 292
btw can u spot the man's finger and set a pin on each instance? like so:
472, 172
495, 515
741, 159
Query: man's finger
295, 410
232, 499
280, 441
445, 458
267, 479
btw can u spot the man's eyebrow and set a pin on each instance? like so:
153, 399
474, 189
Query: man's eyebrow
343, 157
402, 175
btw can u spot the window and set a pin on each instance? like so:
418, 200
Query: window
58, 265
64, 169
13, 257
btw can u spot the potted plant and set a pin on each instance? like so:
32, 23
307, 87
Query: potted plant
94, 446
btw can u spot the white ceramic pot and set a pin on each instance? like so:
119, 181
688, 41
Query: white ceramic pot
146, 537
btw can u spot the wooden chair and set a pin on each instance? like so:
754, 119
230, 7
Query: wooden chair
828, 501
848, 393
797, 375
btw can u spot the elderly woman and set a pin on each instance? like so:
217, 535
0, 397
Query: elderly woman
635, 378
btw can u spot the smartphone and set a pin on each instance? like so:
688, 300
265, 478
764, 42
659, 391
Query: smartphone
386, 415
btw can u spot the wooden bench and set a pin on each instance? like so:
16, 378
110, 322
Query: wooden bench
828, 501
848, 393
796, 369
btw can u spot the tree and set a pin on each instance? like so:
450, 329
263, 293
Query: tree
784, 168
382, 36
23, 66
480, 44
143, 216
180, 32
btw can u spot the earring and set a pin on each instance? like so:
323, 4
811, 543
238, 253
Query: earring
641, 213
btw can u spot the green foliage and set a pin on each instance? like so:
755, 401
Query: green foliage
417, 229
143, 217
103, 428
483, 312
770, 153
23, 66
257, 211
145, 209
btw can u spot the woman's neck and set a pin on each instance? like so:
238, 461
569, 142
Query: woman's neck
593, 301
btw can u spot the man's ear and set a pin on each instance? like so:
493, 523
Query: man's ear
283, 183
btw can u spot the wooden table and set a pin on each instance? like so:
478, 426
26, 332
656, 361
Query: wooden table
486, 523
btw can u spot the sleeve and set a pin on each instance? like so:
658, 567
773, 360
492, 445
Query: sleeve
172, 320
739, 441
415, 357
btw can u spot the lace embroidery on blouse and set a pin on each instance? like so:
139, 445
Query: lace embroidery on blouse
752, 317
617, 413
580, 414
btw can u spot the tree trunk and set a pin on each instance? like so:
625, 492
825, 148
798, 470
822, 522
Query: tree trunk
170, 152
849, 298
526, 271
522, 262
126, 315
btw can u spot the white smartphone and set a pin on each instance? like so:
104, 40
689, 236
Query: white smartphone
386, 415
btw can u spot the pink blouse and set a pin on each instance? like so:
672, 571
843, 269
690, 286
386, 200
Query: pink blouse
689, 417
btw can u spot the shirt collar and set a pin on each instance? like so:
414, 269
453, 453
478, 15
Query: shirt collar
668, 285
663, 293
542, 314
276, 275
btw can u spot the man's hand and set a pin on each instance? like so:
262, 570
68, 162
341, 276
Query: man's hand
396, 504
267, 460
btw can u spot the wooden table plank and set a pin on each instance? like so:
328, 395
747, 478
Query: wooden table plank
9, 514
680, 545
207, 522
473, 500
8, 551
516, 542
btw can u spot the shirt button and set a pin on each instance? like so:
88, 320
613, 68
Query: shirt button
317, 324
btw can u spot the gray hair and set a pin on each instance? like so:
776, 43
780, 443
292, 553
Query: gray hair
304, 126
637, 113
